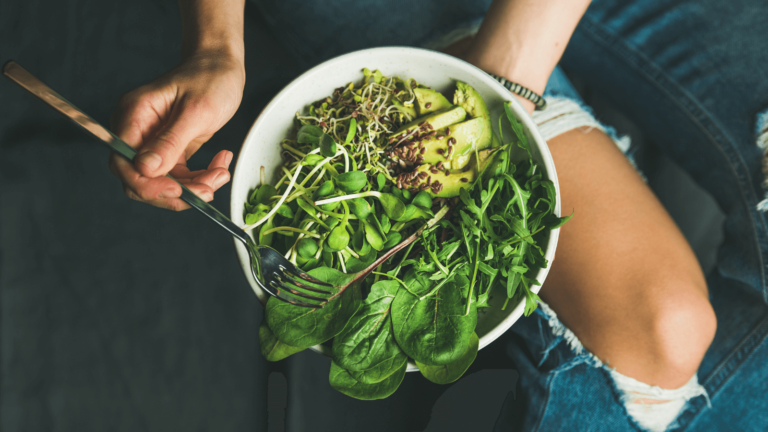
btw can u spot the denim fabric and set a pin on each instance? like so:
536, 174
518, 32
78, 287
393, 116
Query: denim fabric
693, 75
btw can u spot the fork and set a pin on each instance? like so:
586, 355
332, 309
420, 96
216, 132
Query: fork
260, 256
265, 262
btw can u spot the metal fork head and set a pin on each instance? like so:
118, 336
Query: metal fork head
281, 279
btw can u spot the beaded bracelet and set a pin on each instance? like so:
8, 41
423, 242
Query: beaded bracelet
522, 91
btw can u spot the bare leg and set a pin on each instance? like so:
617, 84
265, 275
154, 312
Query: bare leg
624, 279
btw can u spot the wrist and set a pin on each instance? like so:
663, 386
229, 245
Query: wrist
213, 44
526, 73
516, 64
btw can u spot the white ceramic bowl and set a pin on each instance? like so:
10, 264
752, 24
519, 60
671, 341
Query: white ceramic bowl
431, 68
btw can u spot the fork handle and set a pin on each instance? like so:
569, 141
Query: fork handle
395, 249
29, 82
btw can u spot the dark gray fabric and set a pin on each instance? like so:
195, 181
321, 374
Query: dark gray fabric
118, 316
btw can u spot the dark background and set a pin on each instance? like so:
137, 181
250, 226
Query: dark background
118, 316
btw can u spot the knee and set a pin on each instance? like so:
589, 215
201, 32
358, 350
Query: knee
681, 328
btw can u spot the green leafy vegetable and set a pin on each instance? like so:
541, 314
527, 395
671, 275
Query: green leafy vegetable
272, 348
433, 330
446, 374
365, 141
307, 248
342, 381
309, 134
305, 327
367, 342
325, 189
327, 146
423, 199
351, 182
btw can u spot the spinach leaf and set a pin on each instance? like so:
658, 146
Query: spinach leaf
272, 348
433, 329
342, 381
446, 374
380, 372
304, 327
367, 341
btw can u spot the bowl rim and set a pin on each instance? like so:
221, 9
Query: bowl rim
430, 55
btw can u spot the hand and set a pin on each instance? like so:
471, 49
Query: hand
168, 120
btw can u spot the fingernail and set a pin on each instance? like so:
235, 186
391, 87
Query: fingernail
151, 160
228, 160
168, 193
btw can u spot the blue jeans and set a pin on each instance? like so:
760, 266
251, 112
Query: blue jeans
693, 75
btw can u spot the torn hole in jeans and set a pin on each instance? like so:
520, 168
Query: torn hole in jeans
652, 408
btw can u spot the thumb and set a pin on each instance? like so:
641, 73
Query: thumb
168, 146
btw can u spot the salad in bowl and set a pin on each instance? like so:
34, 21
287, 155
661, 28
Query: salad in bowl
365, 165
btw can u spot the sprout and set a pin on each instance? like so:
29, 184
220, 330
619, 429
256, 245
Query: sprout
393, 207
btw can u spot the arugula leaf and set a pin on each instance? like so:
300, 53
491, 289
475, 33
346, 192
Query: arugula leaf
514, 278
517, 127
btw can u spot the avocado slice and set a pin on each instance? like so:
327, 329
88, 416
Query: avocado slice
430, 101
437, 120
469, 99
452, 181
411, 111
466, 134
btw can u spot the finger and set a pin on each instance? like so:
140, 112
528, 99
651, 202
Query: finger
168, 146
145, 189
203, 192
221, 160
218, 170
215, 178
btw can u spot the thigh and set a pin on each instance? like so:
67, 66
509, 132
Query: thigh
693, 75
624, 275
